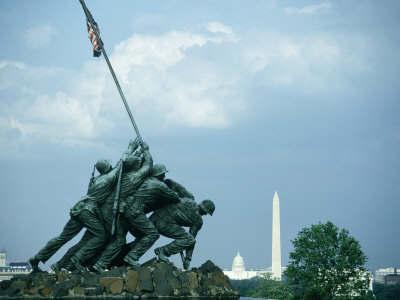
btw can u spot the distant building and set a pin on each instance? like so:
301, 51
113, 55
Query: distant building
239, 271
3, 258
7, 271
380, 274
392, 279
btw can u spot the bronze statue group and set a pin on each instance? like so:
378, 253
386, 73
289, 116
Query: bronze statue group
117, 202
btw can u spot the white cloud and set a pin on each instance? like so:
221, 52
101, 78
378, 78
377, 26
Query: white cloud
164, 87
167, 82
159, 52
312, 9
39, 37
16, 64
309, 9
222, 33
216, 27
306, 64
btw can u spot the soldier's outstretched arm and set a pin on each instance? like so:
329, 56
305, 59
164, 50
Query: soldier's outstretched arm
136, 179
133, 145
167, 194
180, 189
193, 230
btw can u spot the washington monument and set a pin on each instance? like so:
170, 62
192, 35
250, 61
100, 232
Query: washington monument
276, 240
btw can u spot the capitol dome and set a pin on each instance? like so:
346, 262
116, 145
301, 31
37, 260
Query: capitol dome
238, 264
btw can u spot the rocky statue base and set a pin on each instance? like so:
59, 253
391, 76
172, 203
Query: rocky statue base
152, 280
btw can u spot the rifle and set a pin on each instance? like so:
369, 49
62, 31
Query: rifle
116, 202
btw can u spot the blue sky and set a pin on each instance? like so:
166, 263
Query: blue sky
238, 100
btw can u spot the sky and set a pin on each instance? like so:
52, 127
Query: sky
238, 99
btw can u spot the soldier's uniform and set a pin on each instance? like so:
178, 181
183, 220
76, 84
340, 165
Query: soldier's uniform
129, 183
169, 221
84, 214
151, 195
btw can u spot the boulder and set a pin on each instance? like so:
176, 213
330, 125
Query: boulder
163, 288
113, 285
19, 284
221, 279
97, 291
79, 290
145, 279
45, 291
11, 292
62, 288
209, 267
132, 277
90, 281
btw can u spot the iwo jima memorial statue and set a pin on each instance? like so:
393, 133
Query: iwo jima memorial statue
117, 202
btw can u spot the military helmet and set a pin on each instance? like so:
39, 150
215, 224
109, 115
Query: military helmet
132, 163
158, 170
208, 206
103, 166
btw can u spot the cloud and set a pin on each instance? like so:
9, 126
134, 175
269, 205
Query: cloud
309, 9
39, 37
159, 52
303, 63
171, 81
166, 85
221, 31
312, 9
216, 27
159, 76
16, 64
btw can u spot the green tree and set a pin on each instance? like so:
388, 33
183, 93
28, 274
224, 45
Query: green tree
245, 286
271, 289
387, 292
326, 264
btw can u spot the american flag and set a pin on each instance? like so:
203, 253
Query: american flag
92, 36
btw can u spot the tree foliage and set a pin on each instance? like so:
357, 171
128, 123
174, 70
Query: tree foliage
271, 289
387, 292
263, 287
326, 264
245, 286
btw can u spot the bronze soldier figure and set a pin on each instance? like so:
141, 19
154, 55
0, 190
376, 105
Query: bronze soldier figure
134, 173
169, 221
83, 214
151, 195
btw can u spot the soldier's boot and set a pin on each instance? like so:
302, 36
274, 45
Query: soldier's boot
160, 252
56, 267
70, 267
131, 261
75, 263
98, 268
34, 262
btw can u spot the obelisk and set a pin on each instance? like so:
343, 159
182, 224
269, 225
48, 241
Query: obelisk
276, 240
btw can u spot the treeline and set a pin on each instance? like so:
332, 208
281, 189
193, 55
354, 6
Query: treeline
386, 291
263, 287
326, 263
270, 289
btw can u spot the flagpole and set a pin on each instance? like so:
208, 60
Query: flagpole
88, 16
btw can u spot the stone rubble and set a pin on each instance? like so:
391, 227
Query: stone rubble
152, 280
